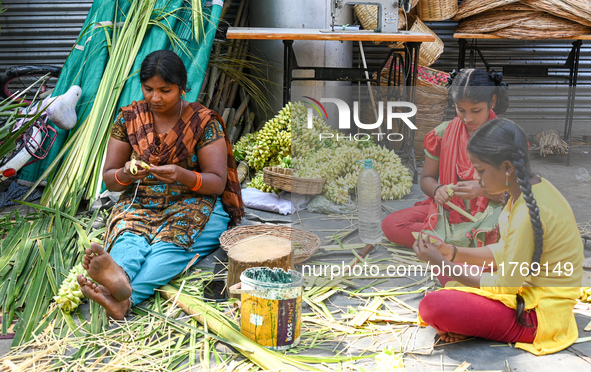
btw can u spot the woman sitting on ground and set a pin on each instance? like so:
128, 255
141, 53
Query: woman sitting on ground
529, 300
477, 96
170, 215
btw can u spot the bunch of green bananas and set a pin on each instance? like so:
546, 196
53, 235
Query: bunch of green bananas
271, 142
70, 296
336, 161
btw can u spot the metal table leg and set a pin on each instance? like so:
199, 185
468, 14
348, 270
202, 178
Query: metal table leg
411, 73
462, 54
573, 63
288, 62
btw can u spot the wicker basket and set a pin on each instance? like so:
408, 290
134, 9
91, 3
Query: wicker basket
574, 10
472, 7
429, 52
544, 27
497, 19
437, 10
304, 243
283, 179
516, 21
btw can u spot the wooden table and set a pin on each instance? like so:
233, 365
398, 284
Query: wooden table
537, 70
411, 39
407, 57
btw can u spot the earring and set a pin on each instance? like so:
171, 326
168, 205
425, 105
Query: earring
507, 179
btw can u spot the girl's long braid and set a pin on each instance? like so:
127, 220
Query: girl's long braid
518, 161
501, 140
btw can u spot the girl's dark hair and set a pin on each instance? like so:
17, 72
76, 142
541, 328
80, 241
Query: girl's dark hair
495, 142
479, 86
166, 64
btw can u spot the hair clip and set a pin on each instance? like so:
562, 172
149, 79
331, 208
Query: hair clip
497, 77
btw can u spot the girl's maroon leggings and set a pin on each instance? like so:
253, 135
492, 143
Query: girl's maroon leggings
469, 314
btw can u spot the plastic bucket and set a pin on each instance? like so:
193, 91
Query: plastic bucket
271, 310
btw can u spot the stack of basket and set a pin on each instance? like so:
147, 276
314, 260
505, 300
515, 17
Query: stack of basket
525, 19
431, 101
431, 94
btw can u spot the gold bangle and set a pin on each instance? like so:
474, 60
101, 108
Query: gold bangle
119, 182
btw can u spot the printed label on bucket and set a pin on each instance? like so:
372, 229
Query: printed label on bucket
274, 324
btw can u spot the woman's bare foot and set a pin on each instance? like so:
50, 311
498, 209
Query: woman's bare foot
102, 269
114, 309
451, 337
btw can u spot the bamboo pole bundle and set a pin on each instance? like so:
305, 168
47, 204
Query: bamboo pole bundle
230, 87
82, 166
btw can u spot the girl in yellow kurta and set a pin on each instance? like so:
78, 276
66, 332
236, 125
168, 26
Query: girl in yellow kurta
529, 298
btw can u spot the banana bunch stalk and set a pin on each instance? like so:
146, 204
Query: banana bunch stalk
70, 295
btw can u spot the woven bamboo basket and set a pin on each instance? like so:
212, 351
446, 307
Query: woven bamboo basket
497, 19
437, 10
282, 178
575, 10
545, 26
304, 243
469, 8
429, 52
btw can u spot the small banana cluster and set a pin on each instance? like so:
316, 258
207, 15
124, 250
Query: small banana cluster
246, 141
258, 183
267, 146
285, 162
585, 294
70, 296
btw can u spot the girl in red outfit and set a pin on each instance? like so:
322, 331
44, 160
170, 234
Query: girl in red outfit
477, 96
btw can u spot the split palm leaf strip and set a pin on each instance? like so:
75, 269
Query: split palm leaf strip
161, 337
10, 114
39, 250
36, 255
82, 166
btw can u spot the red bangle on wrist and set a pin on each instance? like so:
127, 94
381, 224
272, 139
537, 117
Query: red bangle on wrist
119, 182
197, 182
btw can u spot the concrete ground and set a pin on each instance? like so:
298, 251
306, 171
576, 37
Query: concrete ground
424, 354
